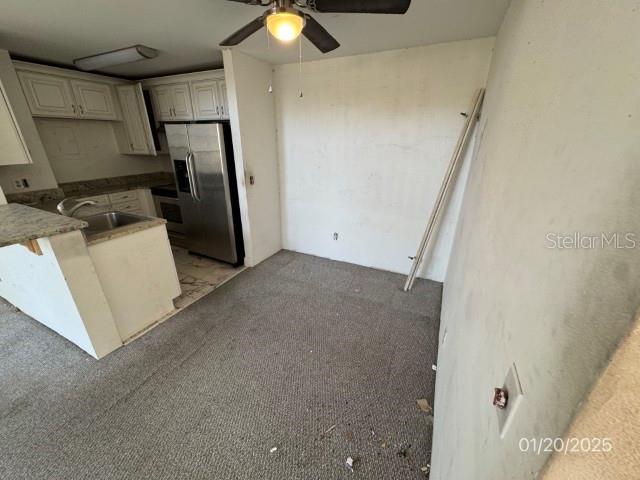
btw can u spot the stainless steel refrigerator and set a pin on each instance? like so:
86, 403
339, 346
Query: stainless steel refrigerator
202, 158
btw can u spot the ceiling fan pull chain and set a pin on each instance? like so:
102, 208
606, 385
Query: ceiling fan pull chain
266, 31
300, 65
270, 89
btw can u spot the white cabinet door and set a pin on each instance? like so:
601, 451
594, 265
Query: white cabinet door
172, 102
181, 102
136, 121
206, 104
13, 149
95, 100
223, 99
48, 95
162, 100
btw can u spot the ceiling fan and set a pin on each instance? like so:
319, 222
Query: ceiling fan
285, 22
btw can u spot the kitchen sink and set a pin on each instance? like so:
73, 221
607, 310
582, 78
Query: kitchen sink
107, 221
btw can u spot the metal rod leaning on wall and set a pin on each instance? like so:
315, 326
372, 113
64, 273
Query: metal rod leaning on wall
448, 180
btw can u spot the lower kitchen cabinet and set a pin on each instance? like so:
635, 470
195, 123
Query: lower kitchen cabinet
138, 201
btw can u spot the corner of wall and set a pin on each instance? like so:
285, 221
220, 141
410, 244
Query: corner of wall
252, 113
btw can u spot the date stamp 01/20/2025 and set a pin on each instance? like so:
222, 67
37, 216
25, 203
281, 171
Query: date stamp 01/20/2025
565, 445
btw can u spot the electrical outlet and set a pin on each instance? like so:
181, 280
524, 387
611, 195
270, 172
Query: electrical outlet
21, 183
514, 391
335, 236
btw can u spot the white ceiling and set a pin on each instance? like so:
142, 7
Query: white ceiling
187, 32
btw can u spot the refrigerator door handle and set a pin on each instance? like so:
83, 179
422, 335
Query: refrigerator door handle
189, 174
195, 194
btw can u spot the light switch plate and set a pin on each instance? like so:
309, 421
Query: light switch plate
514, 389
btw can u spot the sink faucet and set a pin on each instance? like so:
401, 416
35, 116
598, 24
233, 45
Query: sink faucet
69, 212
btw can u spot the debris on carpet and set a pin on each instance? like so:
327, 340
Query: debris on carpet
423, 404
351, 463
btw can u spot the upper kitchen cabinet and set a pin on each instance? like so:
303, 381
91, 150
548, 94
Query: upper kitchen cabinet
64, 94
172, 102
13, 149
190, 96
209, 99
20, 141
138, 139
223, 99
94, 100
47, 95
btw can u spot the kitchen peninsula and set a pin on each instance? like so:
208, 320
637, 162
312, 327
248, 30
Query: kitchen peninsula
95, 285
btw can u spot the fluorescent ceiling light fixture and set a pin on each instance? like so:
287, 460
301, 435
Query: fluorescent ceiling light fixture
115, 57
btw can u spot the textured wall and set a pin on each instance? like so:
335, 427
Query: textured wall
363, 153
559, 149
611, 411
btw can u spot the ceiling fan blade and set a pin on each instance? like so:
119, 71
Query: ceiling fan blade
245, 32
361, 6
249, 2
317, 35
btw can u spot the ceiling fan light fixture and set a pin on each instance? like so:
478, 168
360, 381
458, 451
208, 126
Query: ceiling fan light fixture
285, 25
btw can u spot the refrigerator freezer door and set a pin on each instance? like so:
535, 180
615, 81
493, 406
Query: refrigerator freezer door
211, 183
178, 139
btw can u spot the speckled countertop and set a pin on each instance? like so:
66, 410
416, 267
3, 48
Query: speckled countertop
20, 223
99, 237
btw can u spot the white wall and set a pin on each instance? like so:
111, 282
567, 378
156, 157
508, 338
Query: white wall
559, 153
363, 153
87, 149
251, 109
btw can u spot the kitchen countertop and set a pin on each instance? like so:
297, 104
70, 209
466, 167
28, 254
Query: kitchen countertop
20, 223
124, 230
117, 184
104, 190
90, 188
